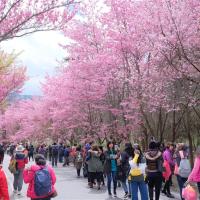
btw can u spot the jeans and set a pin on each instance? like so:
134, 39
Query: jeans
125, 187
181, 181
18, 180
54, 160
112, 176
30, 155
129, 188
143, 190
154, 181
60, 159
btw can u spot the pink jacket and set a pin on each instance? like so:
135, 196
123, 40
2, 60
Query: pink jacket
28, 175
195, 174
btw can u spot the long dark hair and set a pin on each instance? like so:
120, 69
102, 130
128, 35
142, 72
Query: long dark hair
129, 149
140, 158
109, 147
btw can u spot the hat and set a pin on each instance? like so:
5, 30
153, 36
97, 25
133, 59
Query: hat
20, 148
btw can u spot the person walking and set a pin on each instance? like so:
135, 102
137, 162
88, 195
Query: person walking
195, 174
154, 169
137, 175
78, 160
110, 168
42, 150
182, 166
102, 159
12, 149
95, 166
2, 151
124, 167
66, 156
61, 153
31, 152
21, 160
4, 195
50, 152
85, 167
168, 157
54, 154
41, 179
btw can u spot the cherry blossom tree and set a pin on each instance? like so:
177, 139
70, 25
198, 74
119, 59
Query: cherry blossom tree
131, 72
12, 76
20, 17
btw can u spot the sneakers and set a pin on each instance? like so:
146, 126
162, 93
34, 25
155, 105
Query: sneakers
170, 196
164, 192
15, 191
126, 195
19, 193
115, 194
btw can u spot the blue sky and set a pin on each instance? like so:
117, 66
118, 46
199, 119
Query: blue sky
41, 54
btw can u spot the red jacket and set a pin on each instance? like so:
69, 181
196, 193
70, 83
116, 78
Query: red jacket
29, 177
3, 186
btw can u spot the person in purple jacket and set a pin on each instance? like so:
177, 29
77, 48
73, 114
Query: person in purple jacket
168, 156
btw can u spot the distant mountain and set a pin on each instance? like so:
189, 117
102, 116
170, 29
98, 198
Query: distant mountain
17, 97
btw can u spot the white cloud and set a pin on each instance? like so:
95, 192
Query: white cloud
41, 54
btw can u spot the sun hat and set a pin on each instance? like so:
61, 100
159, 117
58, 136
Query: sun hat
20, 148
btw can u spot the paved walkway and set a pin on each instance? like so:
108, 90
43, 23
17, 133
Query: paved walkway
69, 187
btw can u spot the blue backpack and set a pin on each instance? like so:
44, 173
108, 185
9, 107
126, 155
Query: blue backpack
43, 183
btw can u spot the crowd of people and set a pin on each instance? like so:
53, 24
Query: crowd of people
147, 173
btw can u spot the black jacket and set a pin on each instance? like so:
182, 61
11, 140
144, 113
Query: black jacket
107, 164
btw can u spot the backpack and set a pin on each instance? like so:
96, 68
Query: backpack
13, 166
43, 183
79, 157
184, 168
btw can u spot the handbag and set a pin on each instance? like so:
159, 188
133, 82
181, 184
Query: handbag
189, 193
